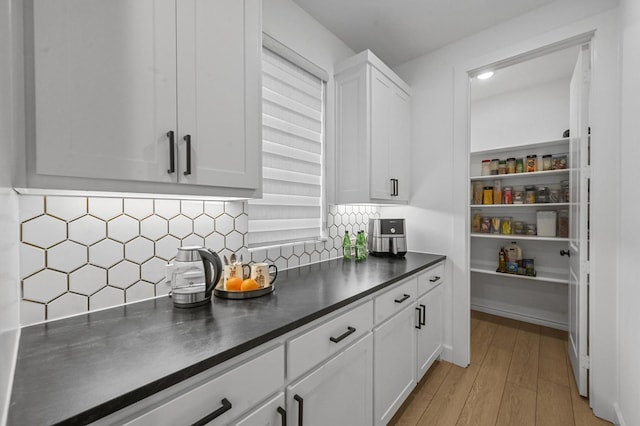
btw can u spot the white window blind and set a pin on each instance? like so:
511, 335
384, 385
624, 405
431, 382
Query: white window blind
292, 152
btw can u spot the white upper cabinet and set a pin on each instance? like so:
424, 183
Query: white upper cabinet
372, 132
115, 81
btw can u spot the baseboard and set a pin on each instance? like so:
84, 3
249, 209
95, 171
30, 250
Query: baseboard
518, 316
447, 353
619, 419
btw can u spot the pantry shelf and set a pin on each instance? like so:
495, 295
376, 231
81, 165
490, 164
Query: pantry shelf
518, 206
519, 237
527, 175
541, 276
543, 145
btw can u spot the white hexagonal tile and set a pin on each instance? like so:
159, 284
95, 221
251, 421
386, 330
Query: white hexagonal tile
258, 255
180, 226
309, 247
44, 286
333, 253
298, 249
87, 280
286, 250
167, 208
106, 298
106, 253
241, 223
214, 241
32, 312
203, 225
162, 289
281, 263
153, 270
224, 224
31, 260
359, 218
139, 250
214, 208
44, 231
167, 247
337, 242
123, 228
333, 231
66, 208
293, 261
138, 208
30, 206
315, 257
305, 259
105, 208
154, 227
193, 240
233, 208
66, 305
191, 208
273, 253
66, 256
234, 241
87, 230
123, 275
324, 255
140, 291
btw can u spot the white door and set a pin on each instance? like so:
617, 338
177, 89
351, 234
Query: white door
381, 132
430, 330
400, 145
338, 393
105, 88
578, 218
219, 92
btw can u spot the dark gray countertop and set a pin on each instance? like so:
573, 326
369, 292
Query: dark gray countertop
79, 369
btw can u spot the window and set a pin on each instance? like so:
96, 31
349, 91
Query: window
292, 153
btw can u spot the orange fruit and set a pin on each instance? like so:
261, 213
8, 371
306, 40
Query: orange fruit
249, 284
234, 284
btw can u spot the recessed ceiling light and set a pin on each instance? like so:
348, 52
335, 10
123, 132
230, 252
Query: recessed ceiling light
485, 75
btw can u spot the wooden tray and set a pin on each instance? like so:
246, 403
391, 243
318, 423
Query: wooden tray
220, 292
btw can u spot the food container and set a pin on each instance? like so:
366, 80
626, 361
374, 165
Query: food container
518, 227
495, 225
486, 168
530, 229
564, 191
506, 226
511, 165
563, 223
502, 167
476, 221
507, 195
546, 221
518, 195
529, 269
477, 192
559, 161
529, 194
497, 192
495, 166
542, 194
485, 226
520, 165
487, 197
547, 162
531, 165
554, 196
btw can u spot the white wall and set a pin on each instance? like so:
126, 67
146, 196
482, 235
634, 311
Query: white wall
533, 114
9, 300
629, 286
291, 25
438, 218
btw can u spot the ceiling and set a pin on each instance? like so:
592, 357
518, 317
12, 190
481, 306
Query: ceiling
400, 30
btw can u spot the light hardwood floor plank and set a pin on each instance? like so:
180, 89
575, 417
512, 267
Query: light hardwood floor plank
518, 406
553, 406
553, 370
524, 363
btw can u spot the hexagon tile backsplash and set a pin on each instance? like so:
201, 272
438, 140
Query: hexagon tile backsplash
80, 254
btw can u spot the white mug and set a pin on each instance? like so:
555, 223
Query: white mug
260, 273
235, 270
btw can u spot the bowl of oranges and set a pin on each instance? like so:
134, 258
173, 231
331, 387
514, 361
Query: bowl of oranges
238, 288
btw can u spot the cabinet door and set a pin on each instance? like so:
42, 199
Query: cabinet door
105, 88
430, 333
219, 92
381, 135
400, 145
337, 393
268, 414
394, 374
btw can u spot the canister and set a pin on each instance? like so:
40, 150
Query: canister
476, 221
554, 196
542, 194
564, 191
530, 229
495, 225
518, 227
531, 165
495, 166
487, 196
563, 223
511, 165
529, 268
546, 221
497, 192
520, 165
507, 195
506, 226
485, 226
486, 168
502, 167
529, 194
559, 161
518, 195
547, 162
477, 192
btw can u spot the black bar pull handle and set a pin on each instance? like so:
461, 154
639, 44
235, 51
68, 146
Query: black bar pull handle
397, 186
434, 278
172, 152
423, 319
350, 330
187, 139
283, 414
565, 253
403, 298
300, 401
226, 406
419, 326
393, 187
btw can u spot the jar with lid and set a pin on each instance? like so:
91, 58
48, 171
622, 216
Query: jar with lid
518, 195
477, 192
495, 166
518, 227
547, 162
563, 223
531, 229
554, 195
542, 194
487, 196
529, 194
497, 192
485, 225
495, 225
486, 168
507, 195
532, 161
506, 226
502, 167
520, 165
564, 191
511, 165
476, 221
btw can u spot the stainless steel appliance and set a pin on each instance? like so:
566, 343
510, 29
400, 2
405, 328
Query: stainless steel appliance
196, 272
387, 237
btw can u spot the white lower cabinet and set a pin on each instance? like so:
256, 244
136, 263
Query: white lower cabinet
271, 413
394, 373
338, 393
429, 330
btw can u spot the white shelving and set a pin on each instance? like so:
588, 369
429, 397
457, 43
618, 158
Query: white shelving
540, 276
528, 175
511, 237
518, 206
550, 145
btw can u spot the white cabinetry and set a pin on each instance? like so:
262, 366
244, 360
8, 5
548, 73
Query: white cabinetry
429, 330
542, 298
373, 132
339, 392
271, 413
152, 91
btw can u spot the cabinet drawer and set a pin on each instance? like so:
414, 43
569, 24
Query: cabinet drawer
243, 387
312, 347
396, 299
430, 278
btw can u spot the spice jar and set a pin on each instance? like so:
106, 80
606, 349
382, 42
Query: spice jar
497, 192
563, 223
542, 193
485, 225
476, 221
531, 163
486, 168
518, 227
495, 166
495, 225
520, 165
529, 194
547, 162
487, 197
511, 165
506, 225
507, 195
518, 195
502, 167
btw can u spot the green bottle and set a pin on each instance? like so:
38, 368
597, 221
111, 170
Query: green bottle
361, 247
346, 246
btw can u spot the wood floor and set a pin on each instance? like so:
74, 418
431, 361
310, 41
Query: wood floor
519, 375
